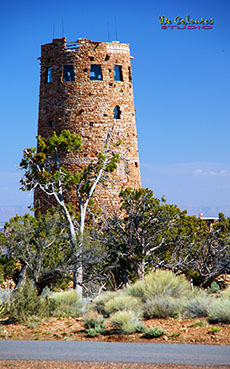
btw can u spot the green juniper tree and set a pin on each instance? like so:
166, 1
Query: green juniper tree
44, 171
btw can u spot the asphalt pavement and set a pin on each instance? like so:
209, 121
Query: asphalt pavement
154, 353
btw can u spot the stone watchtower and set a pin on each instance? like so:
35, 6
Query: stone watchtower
86, 87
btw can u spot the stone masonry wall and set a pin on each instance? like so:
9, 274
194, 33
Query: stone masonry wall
86, 107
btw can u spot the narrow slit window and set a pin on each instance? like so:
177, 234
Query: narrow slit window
49, 78
118, 73
95, 72
117, 112
130, 75
68, 74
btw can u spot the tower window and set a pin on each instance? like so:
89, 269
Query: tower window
117, 112
118, 73
95, 72
51, 123
91, 124
130, 75
68, 74
49, 78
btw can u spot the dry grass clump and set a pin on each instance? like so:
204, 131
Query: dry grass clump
198, 306
160, 283
125, 321
219, 311
122, 302
163, 307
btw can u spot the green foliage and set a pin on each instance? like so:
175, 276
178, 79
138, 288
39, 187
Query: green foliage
160, 283
125, 321
197, 307
122, 302
219, 311
2, 310
214, 330
140, 328
94, 323
214, 287
162, 307
40, 244
8, 266
154, 333
25, 303
93, 332
142, 233
101, 300
65, 303
198, 323
175, 334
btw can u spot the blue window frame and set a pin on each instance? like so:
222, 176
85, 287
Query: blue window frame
118, 73
95, 72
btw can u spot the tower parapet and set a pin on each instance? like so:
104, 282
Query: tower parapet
86, 87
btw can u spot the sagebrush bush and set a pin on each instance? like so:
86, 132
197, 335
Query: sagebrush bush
219, 311
65, 303
197, 307
125, 321
162, 307
160, 283
226, 292
154, 333
94, 320
122, 302
100, 301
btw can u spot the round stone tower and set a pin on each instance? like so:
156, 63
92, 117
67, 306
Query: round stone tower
86, 87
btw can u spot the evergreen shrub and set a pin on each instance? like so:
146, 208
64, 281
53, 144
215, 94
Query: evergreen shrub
219, 311
162, 307
197, 307
154, 333
125, 321
122, 302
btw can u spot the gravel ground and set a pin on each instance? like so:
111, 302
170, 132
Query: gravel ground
26, 364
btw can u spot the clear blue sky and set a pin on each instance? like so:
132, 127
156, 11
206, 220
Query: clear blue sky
181, 88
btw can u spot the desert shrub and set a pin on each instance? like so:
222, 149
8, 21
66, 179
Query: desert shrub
213, 330
65, 303
198, 323
160, 283
197, 307
122, 302
154, 332
93, 332
214, 287
226, 292
94, 320
162, 307
140, 328
101, 300
125, 321
25, 303
219, 311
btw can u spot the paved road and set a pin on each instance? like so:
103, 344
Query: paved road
123, 352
